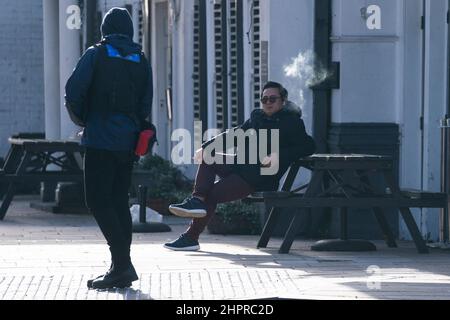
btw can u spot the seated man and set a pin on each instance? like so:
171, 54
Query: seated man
237, 181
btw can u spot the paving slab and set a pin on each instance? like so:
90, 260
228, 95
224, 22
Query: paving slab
45, 256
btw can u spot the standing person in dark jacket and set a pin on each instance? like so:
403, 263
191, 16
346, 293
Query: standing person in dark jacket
237, 181
110, 94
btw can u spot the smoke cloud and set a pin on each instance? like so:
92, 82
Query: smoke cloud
304, 71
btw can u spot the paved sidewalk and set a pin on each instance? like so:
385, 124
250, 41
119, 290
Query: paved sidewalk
50, 257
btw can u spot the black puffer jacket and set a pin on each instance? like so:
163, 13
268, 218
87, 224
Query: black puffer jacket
294, 144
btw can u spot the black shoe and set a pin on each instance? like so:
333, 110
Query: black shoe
189, 208
183, 243
90, 281
116, 279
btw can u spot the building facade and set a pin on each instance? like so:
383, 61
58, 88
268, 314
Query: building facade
21, 69
388, 95
380, 82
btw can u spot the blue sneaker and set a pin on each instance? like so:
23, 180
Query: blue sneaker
189, 208
183, 243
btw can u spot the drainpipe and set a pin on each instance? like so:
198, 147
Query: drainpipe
147, 40
322, 91
445, 144
90, 12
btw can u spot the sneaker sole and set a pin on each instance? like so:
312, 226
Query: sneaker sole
193, 248
196, 214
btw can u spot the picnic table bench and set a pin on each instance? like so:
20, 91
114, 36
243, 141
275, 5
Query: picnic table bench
343, 181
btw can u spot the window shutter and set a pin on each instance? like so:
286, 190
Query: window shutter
256, 56
196, 71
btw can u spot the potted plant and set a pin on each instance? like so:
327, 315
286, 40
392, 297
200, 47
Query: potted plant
169, 185
236, 218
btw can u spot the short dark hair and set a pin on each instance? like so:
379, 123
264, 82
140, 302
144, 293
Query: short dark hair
272, 84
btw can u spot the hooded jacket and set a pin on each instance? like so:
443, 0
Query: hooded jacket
294, 143
113, 131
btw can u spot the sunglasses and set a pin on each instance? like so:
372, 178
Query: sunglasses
271, 99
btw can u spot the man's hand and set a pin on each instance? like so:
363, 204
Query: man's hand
270, 160
198, 157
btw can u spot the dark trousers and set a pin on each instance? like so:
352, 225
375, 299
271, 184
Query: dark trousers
107, 177
230, 187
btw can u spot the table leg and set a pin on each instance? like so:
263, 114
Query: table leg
269, 227
385, 228
344, 223
9, 195
379, 214
142, 204
12, 162
313, 188
72, 162
406, 215
414, 230
143, 226
13, 159
12, 188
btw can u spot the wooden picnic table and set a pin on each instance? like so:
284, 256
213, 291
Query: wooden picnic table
343, 181
38, 160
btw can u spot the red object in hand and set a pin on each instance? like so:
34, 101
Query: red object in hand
143, 142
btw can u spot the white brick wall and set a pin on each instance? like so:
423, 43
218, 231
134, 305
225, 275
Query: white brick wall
21, 69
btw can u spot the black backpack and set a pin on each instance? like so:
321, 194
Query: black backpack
119, 83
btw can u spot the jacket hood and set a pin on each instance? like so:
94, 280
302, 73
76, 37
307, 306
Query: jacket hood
291, 107
117, 21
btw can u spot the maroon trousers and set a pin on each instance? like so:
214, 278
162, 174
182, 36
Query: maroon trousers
230, 187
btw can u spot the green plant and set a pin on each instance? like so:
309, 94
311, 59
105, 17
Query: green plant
168, 182
236, 218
